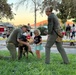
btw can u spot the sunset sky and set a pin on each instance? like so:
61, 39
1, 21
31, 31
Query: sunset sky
23, 15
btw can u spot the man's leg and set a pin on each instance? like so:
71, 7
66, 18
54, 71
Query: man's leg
50, 41
20, 49
12, 49
62, 52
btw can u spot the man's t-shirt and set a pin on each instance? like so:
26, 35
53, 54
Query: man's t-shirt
37, 39
16, 34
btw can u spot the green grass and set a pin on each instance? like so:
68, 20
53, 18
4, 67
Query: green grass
33, 66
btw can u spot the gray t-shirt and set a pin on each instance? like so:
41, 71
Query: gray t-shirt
16, 34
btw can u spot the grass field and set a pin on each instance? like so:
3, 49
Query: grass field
34, 66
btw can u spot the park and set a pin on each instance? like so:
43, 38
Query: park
17, 14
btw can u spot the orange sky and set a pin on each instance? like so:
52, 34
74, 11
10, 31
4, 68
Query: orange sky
24, 16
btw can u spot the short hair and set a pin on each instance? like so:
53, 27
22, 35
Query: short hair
25, 27
37, 31
49, 8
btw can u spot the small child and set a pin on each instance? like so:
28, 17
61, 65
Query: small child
38, 43
72, 41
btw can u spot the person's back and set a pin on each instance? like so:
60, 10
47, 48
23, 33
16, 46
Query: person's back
55, 23
13, 36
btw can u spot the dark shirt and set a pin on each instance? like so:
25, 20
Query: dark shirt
23, 38
68, 28
53, 23
37, 39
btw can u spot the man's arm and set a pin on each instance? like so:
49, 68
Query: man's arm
22, 42
18, 39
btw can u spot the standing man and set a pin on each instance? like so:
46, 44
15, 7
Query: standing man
13, 41
53, 24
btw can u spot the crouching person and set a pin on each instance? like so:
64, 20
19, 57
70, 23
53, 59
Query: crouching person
13, 41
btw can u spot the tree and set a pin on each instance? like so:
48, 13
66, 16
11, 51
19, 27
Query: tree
74, 20
5, 10
66, 8
35, 3
63, 8
47, 3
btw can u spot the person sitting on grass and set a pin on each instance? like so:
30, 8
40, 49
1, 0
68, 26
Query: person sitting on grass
38, 43
72, 41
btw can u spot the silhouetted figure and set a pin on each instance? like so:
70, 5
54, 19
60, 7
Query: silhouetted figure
72, 41
73, 30
68, 30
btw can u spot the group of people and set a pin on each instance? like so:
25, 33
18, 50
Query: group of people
70, 31
53, 29
14, 40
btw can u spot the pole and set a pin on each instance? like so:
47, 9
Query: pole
35, 14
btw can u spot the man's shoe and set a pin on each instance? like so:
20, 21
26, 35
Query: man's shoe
47, 62
65, 63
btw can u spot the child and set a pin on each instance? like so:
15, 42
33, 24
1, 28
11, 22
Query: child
72, 41
38, 43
